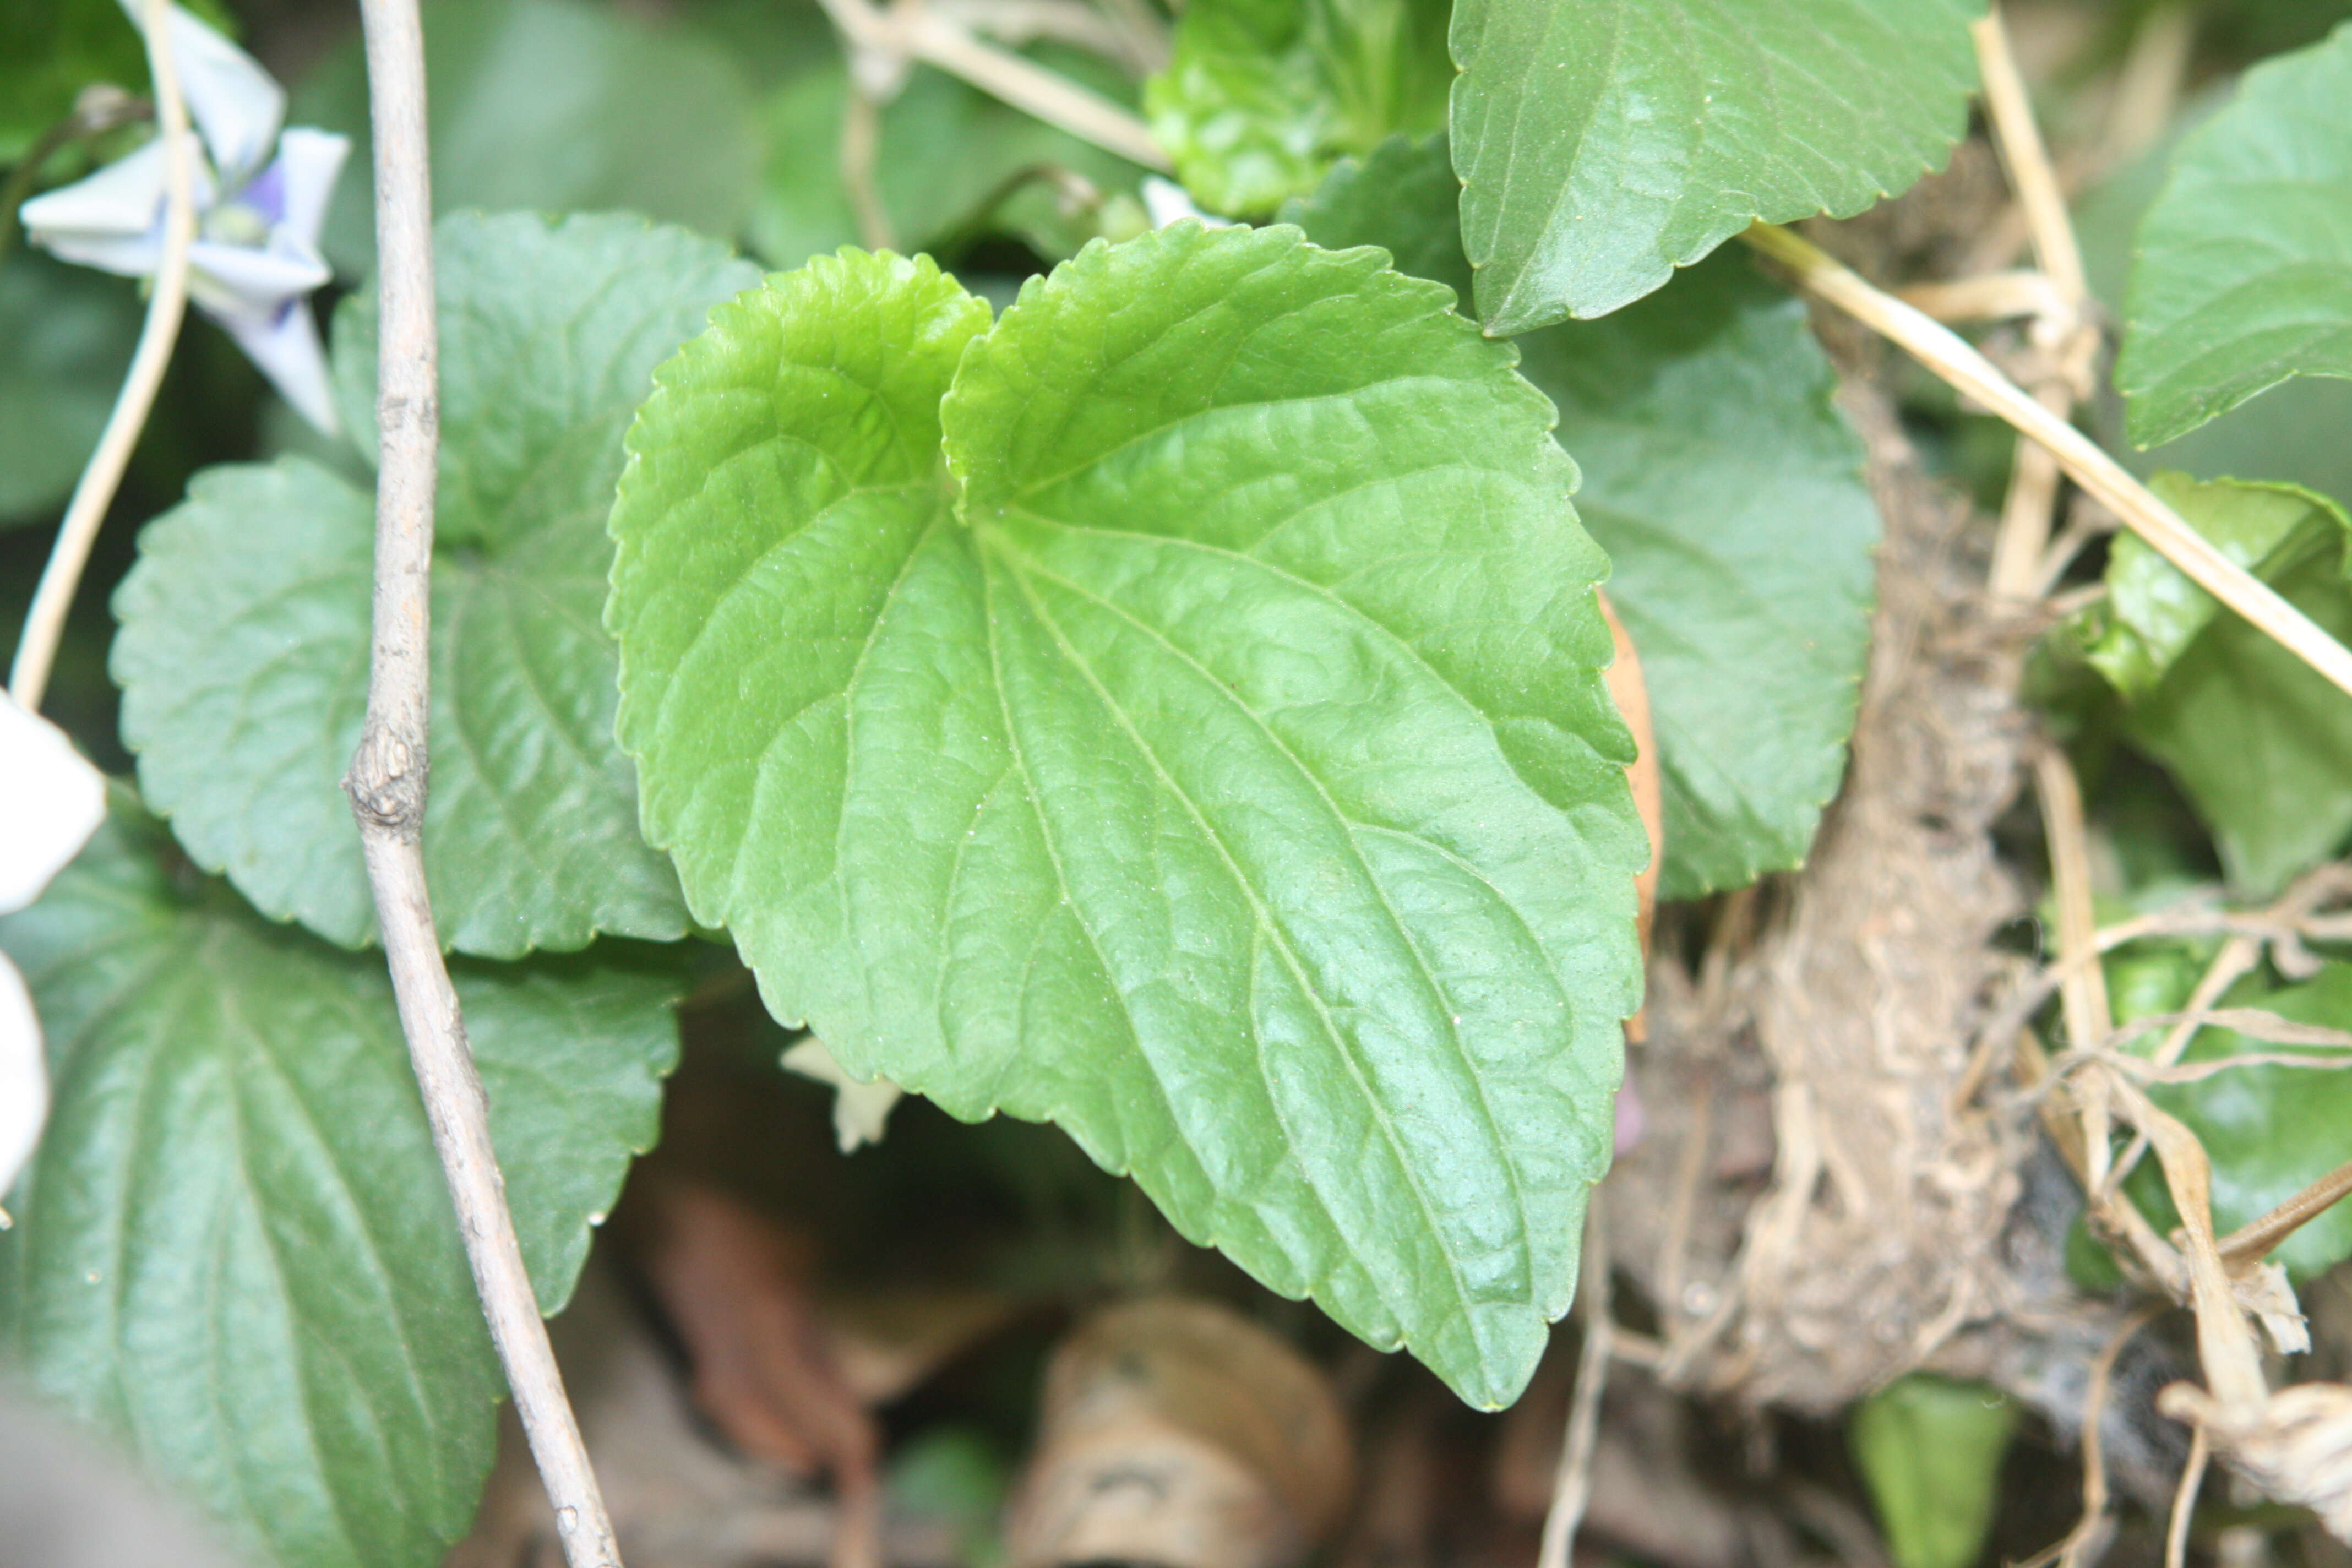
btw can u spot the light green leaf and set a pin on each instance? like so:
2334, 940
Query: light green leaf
1930, 1451
1262, 95
554, 106
1602, 145
2244, 269
2152, 611
234, 1249
1727, 491
1212, 759
2270, 1130
244, 649
65, 336
947, 166
2260, 743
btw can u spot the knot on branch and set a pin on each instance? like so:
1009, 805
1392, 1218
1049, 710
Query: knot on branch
400, 411
386, 781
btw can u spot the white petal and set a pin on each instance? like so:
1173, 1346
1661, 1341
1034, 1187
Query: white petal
23, 1076
287, 351
1167, 202
232, 281
51, 801
114, 219
313, 161
860, 1110
236, 104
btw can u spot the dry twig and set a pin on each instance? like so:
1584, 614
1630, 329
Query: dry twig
45, 620
388, 778
1573, 1486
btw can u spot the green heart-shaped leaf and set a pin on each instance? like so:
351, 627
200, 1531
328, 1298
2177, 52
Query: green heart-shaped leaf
243, 655
1209, 755
234, 1249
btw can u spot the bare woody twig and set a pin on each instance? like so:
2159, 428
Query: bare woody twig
1944, 353
387, 779
44, 621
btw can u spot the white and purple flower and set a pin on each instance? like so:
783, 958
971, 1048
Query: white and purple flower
261, 199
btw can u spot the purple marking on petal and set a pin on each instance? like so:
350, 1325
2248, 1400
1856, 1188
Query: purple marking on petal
265, 193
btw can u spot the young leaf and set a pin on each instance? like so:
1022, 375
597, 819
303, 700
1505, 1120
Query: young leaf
2261, 745
1262, 95
234, 1249
2244, 269
1213, 758
2271, 1131
244, 649
1602, 145
554, 106
2153, 612
1727, 491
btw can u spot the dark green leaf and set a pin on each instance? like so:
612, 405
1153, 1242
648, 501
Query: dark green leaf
65, 336
235, 1251
1602, 144
1262, 95
554, 106
244, 648
1216, 764
948, 162
1727, 491
2244, 269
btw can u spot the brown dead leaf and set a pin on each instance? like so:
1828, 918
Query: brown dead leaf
1181, 1434
1632, 694
736, 1286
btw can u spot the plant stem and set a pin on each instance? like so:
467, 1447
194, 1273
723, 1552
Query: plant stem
387, 779
2252, 1241
1944, 353
1572, 1484
167, 306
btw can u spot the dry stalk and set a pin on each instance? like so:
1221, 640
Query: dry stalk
1951, 358
45, 620
388, 778
910, 30
2184, 1501
1573, 1484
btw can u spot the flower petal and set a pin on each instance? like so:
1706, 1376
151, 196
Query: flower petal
114, 219
287, 349
309, 162
23, 1076
51, 801
239, 281
236, 104
860, 1110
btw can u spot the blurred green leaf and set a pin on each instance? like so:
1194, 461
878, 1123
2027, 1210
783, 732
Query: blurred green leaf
946, 167
244, 648
51, 49
1728, 493
2244, 269
1602, 144
234, 1250
1209, 756
2152, 611
2261, 744
554, 106
1261, 96
2270, 1130
1930, 1451
65, 337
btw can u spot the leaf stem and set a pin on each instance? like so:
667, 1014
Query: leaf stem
387, 779
1944, 353
167, 306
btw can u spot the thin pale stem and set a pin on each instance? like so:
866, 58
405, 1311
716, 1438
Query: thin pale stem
2027, 160
1572, 1484
387, 779
44, 621
2253, 1241
1951, 359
